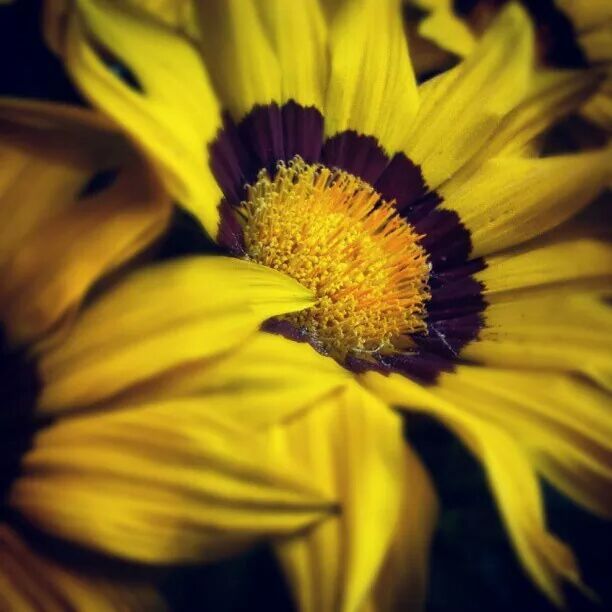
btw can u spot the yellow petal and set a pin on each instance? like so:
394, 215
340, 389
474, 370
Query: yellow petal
265, 380
586, 14
562, 422
427, 57
177, 14
510, 200
402, 582
163, 482
159, 318
443, 27
239, 55
553, 95
299, 35
169, 108
578, 262
599, 108
55, 240
29, 581
353, 446
510, 473
372, 87
597, 43
555, 330
463, 107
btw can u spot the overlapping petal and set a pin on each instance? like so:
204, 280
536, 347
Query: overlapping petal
243, 80
286, 59
510, 474
510, 200
157, 319
153, 84
163, 482
441, 26
561, 421
353, 444
372, 87
461, 108
551, 262
29, 581
58, 234
570, 32
404, 576
553, 96
556, 330
263, 381
298, 32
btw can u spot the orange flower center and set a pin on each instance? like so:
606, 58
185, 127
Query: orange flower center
334, 233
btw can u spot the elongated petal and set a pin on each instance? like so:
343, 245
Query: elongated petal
550, 330
29, 581
402, 582
59, 235
586, 14
597, 43
159, 318
553, 95
266, 380
153, 84
510, 200
162, 483
577, 262
443, 27
563, 422
372, 87
299, 36
510, 473
353, 446
177, 14
599, 108
239, 55
462, 108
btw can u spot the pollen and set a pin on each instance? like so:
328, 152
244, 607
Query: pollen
333, 233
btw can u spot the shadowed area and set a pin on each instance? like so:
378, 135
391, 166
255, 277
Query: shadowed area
556, 36
19, 387
473, 564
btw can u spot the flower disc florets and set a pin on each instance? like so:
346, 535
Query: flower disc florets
332, 232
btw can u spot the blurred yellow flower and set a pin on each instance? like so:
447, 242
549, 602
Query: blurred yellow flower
570, 34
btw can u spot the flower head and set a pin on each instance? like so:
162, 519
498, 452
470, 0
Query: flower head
410, 234
331, 231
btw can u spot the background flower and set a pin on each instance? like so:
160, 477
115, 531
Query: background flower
571, 34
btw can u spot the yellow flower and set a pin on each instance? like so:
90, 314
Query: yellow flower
436, 274
155, 480
570, 33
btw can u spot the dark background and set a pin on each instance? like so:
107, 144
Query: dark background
473, 566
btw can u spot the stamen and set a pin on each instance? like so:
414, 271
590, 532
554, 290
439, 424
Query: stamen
334, 233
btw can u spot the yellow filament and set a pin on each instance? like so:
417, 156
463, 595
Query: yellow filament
334, 233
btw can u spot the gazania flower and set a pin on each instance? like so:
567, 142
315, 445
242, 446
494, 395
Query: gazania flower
152, 481
570, 34
436, 274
